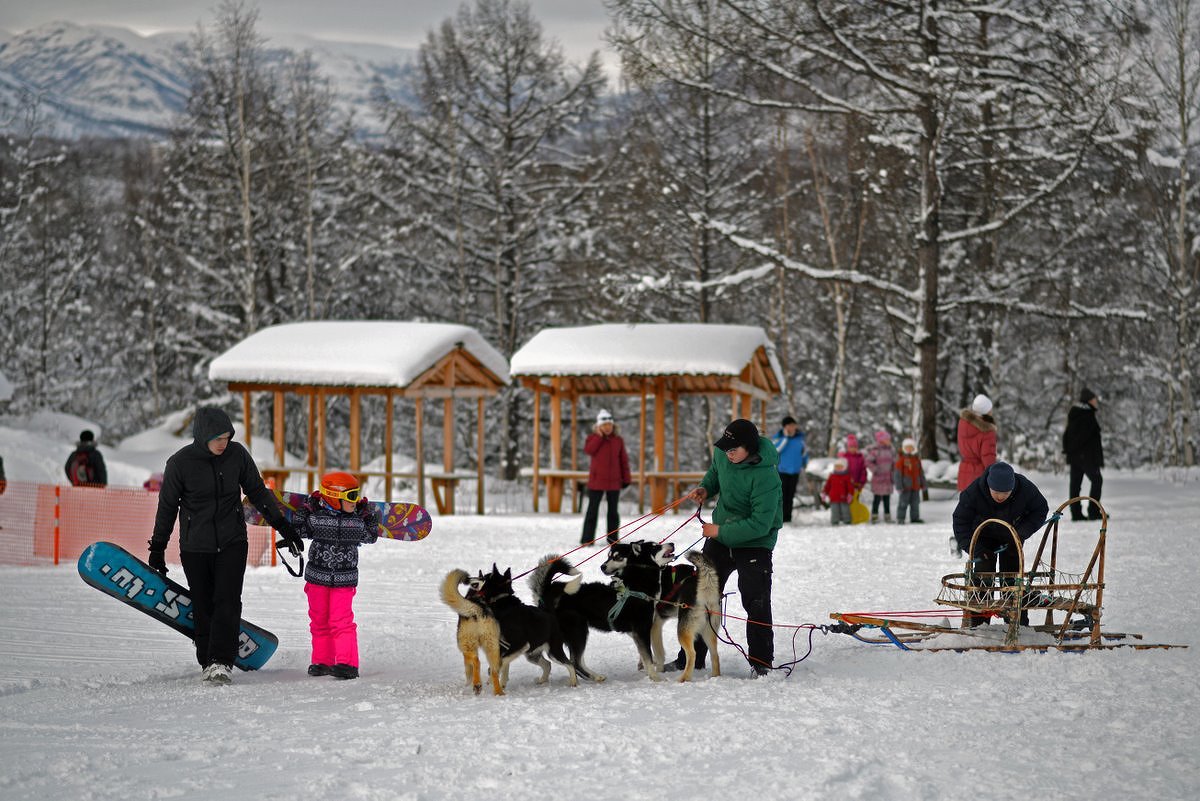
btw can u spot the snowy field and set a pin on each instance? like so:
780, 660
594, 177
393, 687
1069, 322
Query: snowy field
99, 702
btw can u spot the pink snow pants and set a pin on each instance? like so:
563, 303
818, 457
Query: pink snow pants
331, 621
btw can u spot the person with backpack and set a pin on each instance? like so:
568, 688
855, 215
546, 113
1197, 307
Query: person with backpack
85, 466
202, 487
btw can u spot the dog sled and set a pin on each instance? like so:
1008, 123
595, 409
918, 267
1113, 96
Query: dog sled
1070, 604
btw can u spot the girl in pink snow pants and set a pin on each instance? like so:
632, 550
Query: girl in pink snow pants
338, 520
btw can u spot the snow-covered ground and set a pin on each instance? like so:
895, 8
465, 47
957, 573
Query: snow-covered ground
99, 702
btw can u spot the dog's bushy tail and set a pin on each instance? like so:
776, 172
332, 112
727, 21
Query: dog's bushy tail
541, 580
452, 598
708, 583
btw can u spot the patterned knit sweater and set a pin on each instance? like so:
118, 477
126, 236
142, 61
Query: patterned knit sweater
336, 537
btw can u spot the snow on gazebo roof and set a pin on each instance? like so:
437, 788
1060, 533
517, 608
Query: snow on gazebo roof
644, 349
352, 353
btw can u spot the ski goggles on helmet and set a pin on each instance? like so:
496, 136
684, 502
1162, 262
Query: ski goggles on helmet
352, 495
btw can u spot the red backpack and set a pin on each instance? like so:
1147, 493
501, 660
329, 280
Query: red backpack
81, 471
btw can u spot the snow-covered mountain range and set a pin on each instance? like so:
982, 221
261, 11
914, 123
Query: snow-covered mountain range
96, 80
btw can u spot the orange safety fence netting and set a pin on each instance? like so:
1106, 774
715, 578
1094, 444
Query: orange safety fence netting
50, 524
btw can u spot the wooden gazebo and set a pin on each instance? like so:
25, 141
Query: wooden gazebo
662, 361
395, 360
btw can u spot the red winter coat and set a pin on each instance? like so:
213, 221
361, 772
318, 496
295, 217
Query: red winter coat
976, 446
610, 463
839, 488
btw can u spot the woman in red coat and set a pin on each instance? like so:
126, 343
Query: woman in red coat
976, 440
607, 476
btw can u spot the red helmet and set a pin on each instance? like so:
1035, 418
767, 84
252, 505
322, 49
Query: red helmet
340, 490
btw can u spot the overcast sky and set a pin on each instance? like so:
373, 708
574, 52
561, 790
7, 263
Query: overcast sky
576, 24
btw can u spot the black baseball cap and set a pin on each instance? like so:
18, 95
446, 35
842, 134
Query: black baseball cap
739, 432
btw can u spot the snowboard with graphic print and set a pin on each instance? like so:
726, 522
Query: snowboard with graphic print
397, 521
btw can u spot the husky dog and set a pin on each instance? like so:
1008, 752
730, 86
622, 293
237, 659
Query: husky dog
604, 607
477, 628
692, 594
491, 617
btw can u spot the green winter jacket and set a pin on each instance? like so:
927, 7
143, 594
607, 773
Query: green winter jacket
749, 497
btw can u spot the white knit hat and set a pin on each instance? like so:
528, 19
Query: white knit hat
908, 442
605, 416
982, 404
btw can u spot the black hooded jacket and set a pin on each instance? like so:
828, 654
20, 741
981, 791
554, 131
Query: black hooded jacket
1081, 439
1025, 510
205, 490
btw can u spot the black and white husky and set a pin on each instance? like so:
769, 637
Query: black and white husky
579, 607
691, 594
492, 618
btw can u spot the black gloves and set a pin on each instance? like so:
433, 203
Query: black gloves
290, 538
158, 558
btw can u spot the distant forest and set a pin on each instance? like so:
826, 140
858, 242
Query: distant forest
918, 201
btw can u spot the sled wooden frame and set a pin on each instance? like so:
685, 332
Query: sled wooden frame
1008, 595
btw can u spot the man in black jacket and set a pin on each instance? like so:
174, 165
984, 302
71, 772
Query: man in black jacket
1001, 494
1085, 454
202, 486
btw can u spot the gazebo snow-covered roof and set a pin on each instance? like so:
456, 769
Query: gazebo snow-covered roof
357, 358
659, 360
617, 355
351, 353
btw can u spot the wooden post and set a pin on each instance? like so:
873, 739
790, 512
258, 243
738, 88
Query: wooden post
658, 494
448, 450
280, 433
479, 430
246, 416
537, 440
355, 430
321, 431
420, 447
642, 453
555, 423
388, 445
310, 442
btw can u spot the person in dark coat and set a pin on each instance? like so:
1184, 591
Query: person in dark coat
1002, 494
3, 480
85, 466
608, 474
202, 486
1085, 454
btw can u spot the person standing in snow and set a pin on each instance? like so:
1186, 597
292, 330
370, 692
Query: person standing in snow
838, 491
338, 519
793, 458
1085, 453
1001, 494
976, 440
881, 461
608, 474
856, 465
202, 486
85, 466
743, 532
909, 479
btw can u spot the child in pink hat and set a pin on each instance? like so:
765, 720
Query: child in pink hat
880, 460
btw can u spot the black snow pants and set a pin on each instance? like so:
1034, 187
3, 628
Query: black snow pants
215, 582
753, 566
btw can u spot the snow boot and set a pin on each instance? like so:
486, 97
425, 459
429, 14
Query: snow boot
217, 673
344, 672
317, 669
874, 518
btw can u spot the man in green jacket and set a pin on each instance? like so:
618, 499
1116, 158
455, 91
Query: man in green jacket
745, 525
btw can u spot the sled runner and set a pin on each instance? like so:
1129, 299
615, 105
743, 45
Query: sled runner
1013, 597
397, 521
